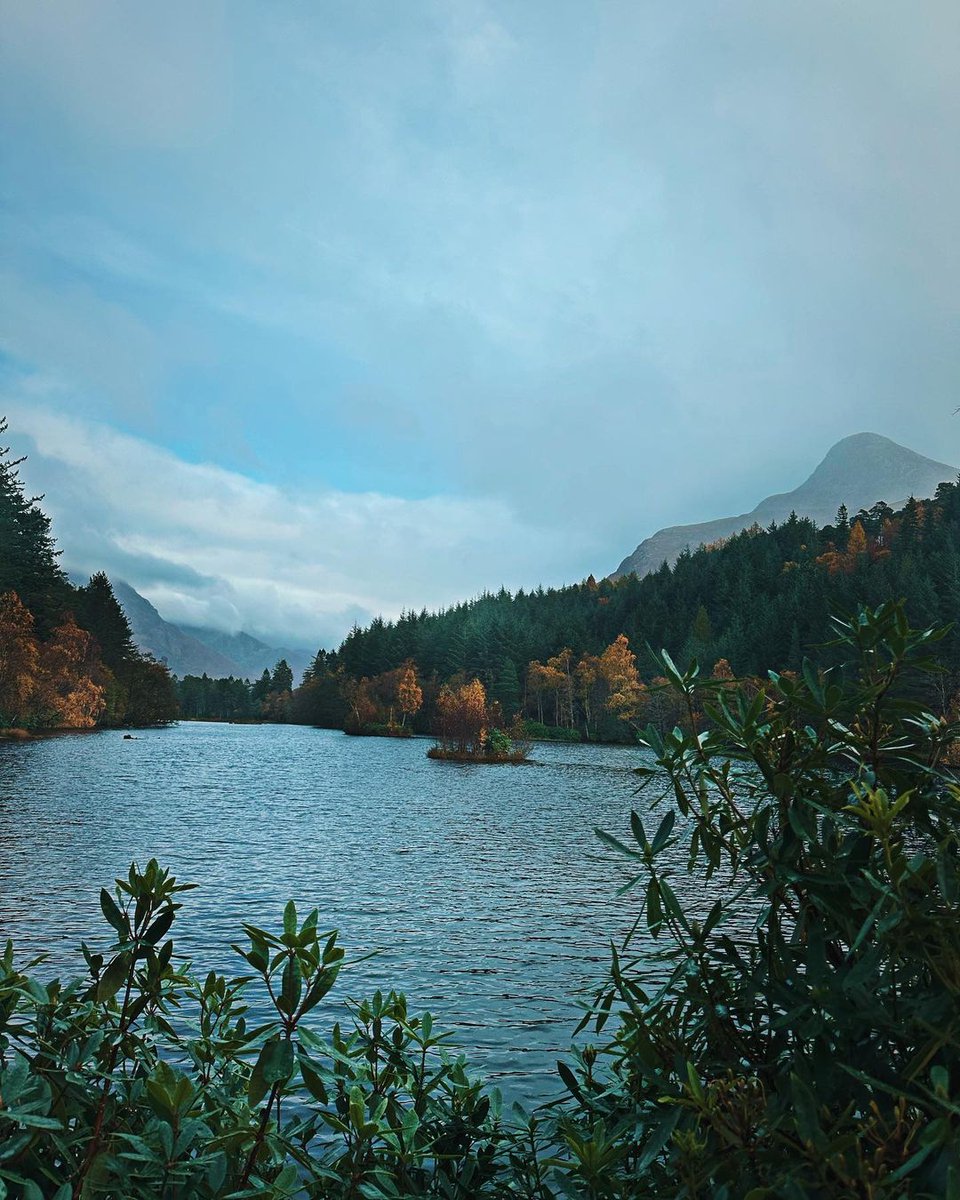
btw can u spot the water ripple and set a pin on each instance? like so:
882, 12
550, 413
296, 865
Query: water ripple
483, 889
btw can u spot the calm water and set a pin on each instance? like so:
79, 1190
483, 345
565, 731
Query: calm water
484, 889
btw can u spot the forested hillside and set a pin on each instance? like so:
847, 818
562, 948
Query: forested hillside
758, 601
67, 659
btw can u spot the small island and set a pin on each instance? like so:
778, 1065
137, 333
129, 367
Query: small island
470, 729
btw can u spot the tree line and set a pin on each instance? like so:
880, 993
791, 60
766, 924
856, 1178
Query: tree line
577, 661
569, 663
67, 658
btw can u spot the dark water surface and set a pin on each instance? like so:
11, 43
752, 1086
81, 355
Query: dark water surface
484, 888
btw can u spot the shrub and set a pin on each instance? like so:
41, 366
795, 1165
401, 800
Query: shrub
821, 1055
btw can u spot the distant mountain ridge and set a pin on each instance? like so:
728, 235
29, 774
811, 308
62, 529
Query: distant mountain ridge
194, 650
858, 471
251, 656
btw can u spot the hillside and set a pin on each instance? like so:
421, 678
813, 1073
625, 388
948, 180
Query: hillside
858, 471
196, 650
183, 654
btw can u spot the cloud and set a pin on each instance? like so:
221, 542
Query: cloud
599, 268
210, 546
127, 73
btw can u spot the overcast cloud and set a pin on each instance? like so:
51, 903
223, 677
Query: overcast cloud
317, 310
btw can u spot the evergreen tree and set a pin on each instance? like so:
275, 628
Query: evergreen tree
262, 688
282, 679
506, 690
99, 612
28, 553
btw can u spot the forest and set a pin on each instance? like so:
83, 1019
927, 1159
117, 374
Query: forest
579, 661
67, 658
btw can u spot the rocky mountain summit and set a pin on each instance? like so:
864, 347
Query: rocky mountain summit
858, 471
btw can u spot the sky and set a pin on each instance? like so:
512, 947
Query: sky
312, 311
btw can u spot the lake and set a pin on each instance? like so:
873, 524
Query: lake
484, 890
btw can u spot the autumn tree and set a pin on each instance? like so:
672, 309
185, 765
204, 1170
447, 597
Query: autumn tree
409, 692
618, 666
561, 682
19, 659
462, 718
66, 693
537, 685
361, 710
590, 688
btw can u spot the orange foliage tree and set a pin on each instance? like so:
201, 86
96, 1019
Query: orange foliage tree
858, 547
610, 683
462, 718
19, 659
66, 693
588, 678
560, 669
537, 684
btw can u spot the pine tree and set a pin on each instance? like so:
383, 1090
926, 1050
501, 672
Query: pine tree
506, 690
99, 612
28, 553
282, 679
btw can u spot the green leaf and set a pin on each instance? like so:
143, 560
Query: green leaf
274, 1065
159, 926
313, 1080
569, 1080
290, 918
616, 844
291, 987
113, 977
806, 1113
112, 913
662, 835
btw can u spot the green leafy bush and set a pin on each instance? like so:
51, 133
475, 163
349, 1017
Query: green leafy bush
821, 1055
817, 1056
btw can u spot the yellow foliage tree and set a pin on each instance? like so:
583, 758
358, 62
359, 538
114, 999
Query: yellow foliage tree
857, 543
409, 692
618, 666
588, 676
559, 671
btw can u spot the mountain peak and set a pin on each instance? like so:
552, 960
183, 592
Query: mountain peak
857, 471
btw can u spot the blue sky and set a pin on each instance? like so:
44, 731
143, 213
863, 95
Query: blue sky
316, 310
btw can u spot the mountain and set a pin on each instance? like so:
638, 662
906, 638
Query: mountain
193, 650
252, 656
858, 471
183, 654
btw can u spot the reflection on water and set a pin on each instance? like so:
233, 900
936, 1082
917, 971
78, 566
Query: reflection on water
484, 890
